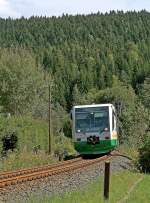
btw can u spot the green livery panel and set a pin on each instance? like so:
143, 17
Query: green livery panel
103, 146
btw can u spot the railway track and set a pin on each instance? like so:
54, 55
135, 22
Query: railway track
24, 175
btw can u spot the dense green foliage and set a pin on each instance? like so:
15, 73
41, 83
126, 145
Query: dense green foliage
22, 84
95, 58
144, 155
133, 117
84, 52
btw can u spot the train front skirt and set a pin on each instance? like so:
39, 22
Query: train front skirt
104, 146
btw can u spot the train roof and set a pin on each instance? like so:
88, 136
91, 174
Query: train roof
92, 105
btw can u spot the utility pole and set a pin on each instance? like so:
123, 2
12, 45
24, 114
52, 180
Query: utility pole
49, 122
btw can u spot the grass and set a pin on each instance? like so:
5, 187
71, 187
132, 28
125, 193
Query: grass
142, 192
32, 134
128, 150
93, 193
24, 159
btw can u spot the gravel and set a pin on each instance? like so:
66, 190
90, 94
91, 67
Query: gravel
61, 183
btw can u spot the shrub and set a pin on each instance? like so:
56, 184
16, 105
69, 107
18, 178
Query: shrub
9, 142
144, 156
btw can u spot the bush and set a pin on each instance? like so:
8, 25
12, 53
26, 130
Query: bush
63, 146
9, 142
144, 156
67, 128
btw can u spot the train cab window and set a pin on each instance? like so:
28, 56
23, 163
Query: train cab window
92, 119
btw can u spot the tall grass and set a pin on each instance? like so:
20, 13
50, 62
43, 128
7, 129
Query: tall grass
24, 159
129, 150
32, 137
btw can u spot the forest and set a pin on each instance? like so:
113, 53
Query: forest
96, 58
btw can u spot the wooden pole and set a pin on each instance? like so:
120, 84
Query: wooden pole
49, 123
106, 180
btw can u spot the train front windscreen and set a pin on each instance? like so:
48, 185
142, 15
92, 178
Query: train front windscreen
91, 119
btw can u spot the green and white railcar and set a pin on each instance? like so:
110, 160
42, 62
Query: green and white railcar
94, 128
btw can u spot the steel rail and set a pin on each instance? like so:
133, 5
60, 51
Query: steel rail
9, 174
53, 170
